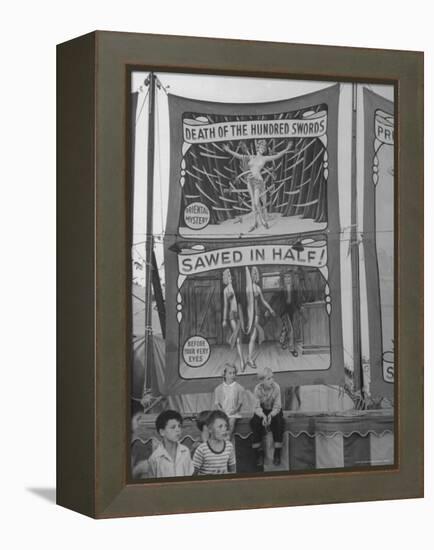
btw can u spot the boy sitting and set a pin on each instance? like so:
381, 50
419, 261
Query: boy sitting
268, 416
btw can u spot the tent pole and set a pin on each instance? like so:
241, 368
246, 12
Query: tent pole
150, 81
355, 266
158, 292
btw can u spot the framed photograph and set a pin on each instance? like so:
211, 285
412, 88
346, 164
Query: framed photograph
240, 274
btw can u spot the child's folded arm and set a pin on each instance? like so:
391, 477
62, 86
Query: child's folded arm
277, 404
217, 403
232, 461
152, 472
241, 397
197, 460
258, 410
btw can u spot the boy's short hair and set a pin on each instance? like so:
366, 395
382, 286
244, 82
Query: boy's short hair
229, 366
201, 419
264, 372
215, 415
164, 417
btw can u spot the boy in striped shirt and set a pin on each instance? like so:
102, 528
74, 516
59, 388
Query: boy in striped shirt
217, 455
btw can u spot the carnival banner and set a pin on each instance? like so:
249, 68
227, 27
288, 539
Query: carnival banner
252, 242
378, 241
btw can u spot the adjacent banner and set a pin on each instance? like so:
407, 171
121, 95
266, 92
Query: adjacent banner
378, 241
252, 242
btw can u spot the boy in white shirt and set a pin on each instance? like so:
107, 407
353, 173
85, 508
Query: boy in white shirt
170, 458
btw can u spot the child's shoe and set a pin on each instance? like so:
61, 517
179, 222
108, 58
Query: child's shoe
259, 457
277, 456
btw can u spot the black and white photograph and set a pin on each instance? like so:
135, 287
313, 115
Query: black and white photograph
262, 275
216, 234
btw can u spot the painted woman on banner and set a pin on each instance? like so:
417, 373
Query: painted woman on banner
231, 315
253, 166
254, 299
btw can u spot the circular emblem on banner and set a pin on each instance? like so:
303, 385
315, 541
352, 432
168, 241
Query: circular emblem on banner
196, 351
196, 215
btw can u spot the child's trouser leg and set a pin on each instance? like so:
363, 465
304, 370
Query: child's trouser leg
277, 428
258, 433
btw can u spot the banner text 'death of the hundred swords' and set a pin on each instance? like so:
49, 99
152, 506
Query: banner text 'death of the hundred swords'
196, 131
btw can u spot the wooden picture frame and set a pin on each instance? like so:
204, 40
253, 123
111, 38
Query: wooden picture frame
94, 275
